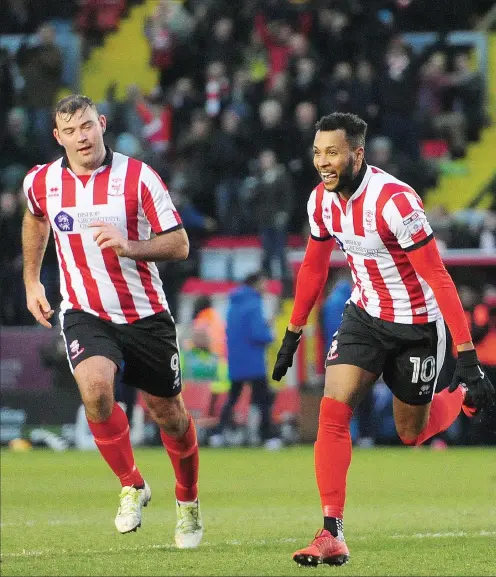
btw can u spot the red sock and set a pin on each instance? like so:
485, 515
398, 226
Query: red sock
184, 457
445, 408
333, 455
114, 444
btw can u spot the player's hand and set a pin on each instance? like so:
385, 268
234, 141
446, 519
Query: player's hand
38, 305
284, 359
469, 372
109, 236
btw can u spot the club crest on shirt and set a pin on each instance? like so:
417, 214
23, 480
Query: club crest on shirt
369, 221
64, 221
116, 186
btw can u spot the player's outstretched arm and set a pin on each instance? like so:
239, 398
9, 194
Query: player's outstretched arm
35, 234
311, 279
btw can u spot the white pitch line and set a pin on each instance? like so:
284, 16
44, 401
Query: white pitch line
232, 543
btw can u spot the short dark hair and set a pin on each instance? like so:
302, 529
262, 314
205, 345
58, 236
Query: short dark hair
253, 278
69, 105
354, 127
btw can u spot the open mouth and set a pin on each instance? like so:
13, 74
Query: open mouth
329, 177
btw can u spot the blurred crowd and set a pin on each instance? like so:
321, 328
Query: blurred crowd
230, 124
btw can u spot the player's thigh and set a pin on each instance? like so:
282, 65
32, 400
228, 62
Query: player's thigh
151, 356
412, 370
348, 383
93, 355
355, 359
410, 420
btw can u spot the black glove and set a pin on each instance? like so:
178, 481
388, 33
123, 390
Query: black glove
468, 371
284, 359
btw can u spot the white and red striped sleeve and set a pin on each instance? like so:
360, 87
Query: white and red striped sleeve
405, 216
27, 185
157, 205
318, 230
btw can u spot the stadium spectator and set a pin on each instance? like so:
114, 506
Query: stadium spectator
446, 123
118, 312
164, 44
482, 325
41, 68
205, 315
398, 333
248, 335
301, 154
364, 97
20, 145
200, 364
194, 147
421, 175
12, 309
6, 90
272, 206
228, 158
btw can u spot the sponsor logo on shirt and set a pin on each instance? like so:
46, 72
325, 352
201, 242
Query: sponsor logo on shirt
355, 247
414, 222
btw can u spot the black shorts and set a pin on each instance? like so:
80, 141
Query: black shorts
409, 357
146, 349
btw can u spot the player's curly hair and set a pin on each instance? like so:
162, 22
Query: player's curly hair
354, 127
69, 105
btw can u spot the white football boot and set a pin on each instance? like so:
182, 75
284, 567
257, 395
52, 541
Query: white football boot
189, 527
132, 501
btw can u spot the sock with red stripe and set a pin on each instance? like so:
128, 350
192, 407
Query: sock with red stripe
113, 442
332, 460
183, 453
445, 408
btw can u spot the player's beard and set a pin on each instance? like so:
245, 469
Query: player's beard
346, 178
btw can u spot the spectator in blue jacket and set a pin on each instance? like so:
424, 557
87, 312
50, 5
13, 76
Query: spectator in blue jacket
248, 335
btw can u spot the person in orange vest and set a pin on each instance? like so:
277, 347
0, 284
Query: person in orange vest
204, 313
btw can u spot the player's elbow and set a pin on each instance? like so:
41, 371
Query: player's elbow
182, 250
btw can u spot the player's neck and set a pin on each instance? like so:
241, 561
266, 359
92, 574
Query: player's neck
356, 181
79, 170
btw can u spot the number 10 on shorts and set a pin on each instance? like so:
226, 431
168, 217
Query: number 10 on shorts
425, 369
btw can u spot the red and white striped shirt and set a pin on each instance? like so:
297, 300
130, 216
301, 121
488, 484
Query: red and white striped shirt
375, 229
124, 192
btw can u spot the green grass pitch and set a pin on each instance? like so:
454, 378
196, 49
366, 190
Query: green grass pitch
409, 512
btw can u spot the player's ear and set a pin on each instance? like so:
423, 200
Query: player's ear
359, 155
103, 122
56, 136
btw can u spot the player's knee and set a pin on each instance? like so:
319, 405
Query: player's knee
98, 405
408, 433
338, 394
170, 415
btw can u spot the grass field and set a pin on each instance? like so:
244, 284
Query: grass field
409, 512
